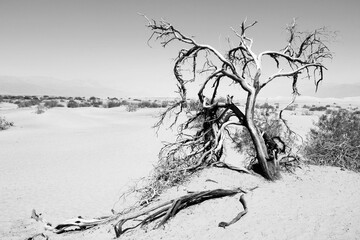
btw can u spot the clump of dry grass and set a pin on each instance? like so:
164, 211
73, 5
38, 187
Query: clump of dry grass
5, 124
131, 108
40, 109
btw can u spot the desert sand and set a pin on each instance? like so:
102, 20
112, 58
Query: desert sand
69, 162
75, 162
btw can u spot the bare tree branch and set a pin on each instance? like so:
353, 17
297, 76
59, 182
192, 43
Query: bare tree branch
304, 52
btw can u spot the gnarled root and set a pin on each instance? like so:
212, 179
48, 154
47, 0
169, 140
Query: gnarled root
170, 208
240, 215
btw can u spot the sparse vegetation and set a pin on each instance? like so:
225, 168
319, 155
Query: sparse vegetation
335, 141
194, 105
72, 104
26, 103
266, 106
51, 103
306, 112
40, 109
5, 124
112, 104
319, 108
269, 123
131, 107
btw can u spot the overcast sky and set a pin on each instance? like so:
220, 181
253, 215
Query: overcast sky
106, 40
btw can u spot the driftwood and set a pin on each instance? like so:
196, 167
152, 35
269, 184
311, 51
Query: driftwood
169, 209
73, 224
165, 211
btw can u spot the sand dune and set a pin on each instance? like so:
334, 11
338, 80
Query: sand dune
70, 162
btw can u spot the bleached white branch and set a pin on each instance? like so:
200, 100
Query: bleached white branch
292, 73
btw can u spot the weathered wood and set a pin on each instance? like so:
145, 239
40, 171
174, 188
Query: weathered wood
240, 215
171, 208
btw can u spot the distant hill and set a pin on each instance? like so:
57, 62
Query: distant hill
334, 90
309, 100
51, 86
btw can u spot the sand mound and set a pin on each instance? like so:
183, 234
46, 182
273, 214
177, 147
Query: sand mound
71, 162
315, 203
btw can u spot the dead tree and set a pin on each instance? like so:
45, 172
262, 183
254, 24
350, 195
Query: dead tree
302, 57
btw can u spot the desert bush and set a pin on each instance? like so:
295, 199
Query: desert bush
51, 103
40, 109
266, 106
132, 107
24, 104
320, 108
306, 113
164, 104
155, 105
194, 105
267, 121
5, 124
144, 104
335, 140
84, 104
97, 104
328, 111
124, 102
72, 104
112, 104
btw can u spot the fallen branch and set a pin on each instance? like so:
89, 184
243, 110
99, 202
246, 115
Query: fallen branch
240, 215
37, 235
231, 167
78, 223
165, 210
169, 209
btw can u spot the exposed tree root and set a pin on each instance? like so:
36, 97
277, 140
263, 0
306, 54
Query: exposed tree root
231, 167
165, 211
240, 215
169, 209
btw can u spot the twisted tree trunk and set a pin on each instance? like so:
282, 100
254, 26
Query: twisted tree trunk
268, 166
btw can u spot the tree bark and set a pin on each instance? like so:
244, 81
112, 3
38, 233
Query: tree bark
268, 167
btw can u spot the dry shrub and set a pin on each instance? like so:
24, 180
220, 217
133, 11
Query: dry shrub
40, 109
4, 124
268, 121
335, 140
72, 104
131, 107
51, 103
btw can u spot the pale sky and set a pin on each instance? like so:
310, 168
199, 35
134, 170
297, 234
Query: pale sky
106, 40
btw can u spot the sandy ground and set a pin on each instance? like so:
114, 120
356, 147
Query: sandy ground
71, 162
314, 203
